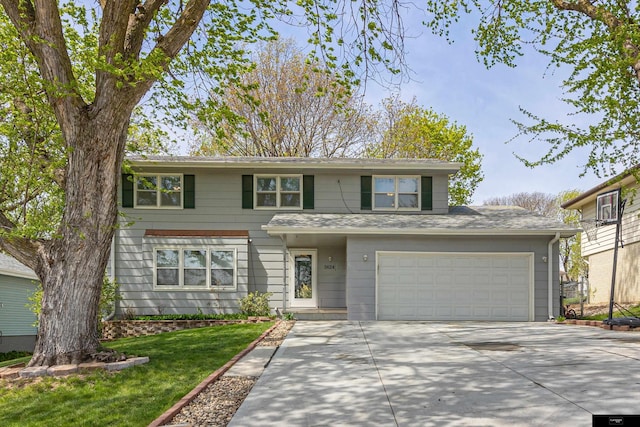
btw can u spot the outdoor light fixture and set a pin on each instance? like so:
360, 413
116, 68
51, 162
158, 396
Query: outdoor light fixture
544, 259
365, 257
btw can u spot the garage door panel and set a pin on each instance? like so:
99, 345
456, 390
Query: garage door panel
453, 286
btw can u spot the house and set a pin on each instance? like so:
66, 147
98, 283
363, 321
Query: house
364, 239
597, 239
17, 284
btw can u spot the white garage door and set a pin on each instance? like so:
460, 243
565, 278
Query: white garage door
454, 286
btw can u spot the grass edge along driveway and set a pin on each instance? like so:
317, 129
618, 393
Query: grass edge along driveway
178, 361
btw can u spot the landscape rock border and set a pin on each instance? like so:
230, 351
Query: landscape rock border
168, 415
20, 371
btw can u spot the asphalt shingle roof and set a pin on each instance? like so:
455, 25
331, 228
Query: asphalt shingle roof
481, 220
10, 266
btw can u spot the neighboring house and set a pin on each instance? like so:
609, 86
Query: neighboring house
365, 238
598, 241
17, 284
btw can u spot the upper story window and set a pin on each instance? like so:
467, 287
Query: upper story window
396, 192
194, 268
158, 191
278, 191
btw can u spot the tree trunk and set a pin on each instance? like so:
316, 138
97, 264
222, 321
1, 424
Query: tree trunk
73, 265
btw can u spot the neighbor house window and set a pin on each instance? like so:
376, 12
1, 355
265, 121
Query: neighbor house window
396, 192
158, 191
195, 268
275, 192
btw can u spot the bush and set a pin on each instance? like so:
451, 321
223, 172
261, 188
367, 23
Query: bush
199, 316
13, 355
256, 304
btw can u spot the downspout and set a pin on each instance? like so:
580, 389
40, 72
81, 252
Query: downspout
285, 274
112, 276
550, 273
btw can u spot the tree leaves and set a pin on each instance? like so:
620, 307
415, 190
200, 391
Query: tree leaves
598, 42
410, 131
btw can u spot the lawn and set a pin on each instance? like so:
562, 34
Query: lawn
132, 397
631, 311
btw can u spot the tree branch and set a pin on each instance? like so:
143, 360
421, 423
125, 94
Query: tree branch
588, 8
138, 23
600, 13
39, 25
111, 37
24, 250
170, 44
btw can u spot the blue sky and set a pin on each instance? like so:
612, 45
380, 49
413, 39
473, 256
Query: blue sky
449, 79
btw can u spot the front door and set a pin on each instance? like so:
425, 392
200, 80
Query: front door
303, 290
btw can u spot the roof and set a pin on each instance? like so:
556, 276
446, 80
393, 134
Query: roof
625, 178
10, 267
480, 221
296, 162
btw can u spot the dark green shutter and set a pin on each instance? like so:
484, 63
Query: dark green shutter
307, 192
189, 201
127, 190
427, 193
247, 191
365, 193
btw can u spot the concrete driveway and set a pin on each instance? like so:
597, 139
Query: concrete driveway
342, 373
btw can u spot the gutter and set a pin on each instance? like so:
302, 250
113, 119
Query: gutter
550, 274
423, 231
112, 277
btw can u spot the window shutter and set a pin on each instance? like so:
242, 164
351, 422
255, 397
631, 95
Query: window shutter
127, 190
189, 201
247, 191
427, 193
308, 194
365, 193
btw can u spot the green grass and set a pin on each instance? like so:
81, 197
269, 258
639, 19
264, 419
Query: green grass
135, 396
15, 361
632, 311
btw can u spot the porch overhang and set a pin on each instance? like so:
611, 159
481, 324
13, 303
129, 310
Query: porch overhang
460, 221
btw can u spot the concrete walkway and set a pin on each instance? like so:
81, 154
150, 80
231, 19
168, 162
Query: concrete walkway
340, 373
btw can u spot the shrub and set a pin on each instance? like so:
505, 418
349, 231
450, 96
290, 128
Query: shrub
256, 304
200, 316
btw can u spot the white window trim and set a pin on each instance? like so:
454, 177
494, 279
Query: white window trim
396, 178
158, 191
208, 286
278, 192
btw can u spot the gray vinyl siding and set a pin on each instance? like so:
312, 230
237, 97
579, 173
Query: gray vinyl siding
332, 277
16, 321
361, 302
218, 206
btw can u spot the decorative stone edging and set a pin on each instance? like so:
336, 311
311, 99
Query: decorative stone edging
599, 324
114, 329
20, 371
